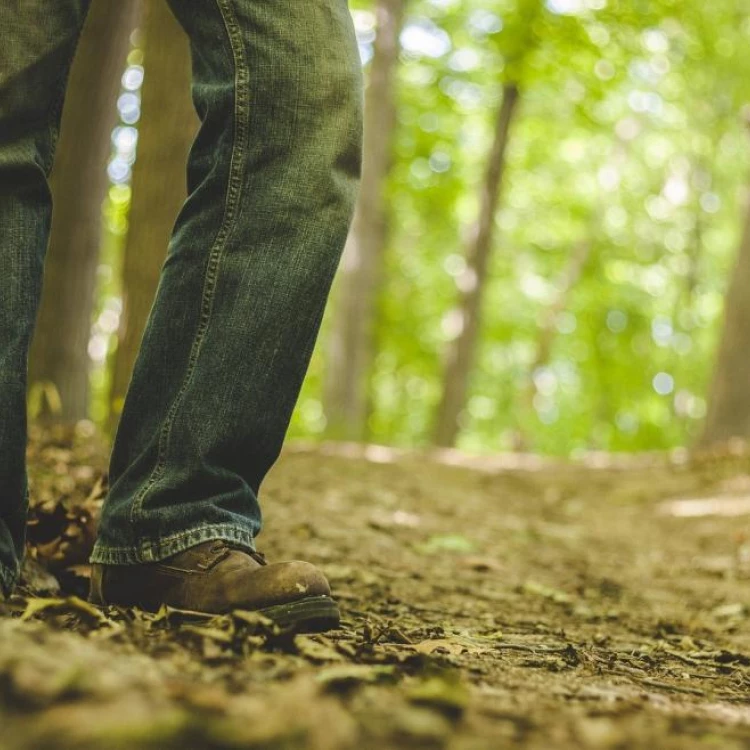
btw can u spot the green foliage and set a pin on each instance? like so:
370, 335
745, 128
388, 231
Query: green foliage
630, 140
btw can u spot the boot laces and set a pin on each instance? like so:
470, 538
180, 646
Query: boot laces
259, 557
221, 545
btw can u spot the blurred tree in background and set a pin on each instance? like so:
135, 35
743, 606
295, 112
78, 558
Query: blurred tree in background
59, 362
351, 342
552, 206
473, 280
729, 402
167, 128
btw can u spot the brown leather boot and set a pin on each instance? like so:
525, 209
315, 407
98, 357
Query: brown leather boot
217, 578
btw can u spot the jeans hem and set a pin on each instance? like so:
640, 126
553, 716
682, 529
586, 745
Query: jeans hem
148, 551
8, 580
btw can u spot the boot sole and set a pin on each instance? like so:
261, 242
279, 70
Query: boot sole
315, 614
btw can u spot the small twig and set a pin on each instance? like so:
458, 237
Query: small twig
674, 688
532, 649
683, 659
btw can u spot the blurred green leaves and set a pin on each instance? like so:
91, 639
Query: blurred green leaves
630, 138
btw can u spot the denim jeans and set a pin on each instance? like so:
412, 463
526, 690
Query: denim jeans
272, 179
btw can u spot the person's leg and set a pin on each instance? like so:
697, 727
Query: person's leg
272, 180
37, 41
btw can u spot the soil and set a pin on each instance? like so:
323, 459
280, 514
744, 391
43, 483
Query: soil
488, 603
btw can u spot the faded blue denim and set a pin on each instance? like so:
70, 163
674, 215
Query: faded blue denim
272, 179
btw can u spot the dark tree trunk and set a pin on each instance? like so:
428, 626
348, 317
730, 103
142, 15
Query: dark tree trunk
461, 351
167, 126
351, 342
59, 361
729, 399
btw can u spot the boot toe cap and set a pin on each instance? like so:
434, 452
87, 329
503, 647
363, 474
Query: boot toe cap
287, 582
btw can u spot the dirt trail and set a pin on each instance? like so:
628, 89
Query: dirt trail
547, 605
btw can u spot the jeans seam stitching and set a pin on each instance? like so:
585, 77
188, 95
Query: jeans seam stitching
234, 190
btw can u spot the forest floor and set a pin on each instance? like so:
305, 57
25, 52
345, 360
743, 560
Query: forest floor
488, 603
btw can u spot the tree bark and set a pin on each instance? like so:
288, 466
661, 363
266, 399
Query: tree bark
462, 350
351, 340
166, 129
59, 361
729, 400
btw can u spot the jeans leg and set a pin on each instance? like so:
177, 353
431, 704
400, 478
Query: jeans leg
272, 181
38, 41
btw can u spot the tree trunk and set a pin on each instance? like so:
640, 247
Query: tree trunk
461, 351
729, 400
351, 342
59, 361
547, 330
166, 129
